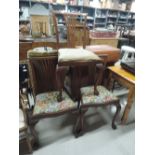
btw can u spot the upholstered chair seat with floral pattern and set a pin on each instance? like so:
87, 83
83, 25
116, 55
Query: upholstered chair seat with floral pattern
90, 99
104, 97
47, 103
50, 99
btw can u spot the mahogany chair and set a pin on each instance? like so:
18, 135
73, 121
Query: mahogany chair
72, 24
96, 96
77, 31
43, 80
93, 94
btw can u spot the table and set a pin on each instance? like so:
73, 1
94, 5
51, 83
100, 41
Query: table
126, 79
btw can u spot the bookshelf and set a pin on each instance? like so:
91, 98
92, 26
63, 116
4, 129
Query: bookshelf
97, 17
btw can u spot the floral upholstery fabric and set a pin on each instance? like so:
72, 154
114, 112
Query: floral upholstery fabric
47, 103
105, 96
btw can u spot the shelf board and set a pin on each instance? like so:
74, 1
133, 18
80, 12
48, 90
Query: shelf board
90, 18
130, 24
131, 18
123, 17
111, 22
24, 20
112, 16
100, 23
121, 23
101, 17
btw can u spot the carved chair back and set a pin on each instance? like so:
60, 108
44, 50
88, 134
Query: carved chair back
42, 72
76, 28
55, 26
75, 23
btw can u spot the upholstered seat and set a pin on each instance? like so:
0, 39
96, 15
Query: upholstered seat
88, 97
73, 54
47, 103
41, 51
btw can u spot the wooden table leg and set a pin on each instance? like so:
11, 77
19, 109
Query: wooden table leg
129, 104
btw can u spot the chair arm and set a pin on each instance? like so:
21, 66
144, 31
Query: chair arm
61, 72
24, 101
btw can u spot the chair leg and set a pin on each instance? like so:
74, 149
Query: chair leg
36, 140
79, 127
115, 116
28, 142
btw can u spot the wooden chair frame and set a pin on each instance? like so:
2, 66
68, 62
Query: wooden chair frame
43, 77
79, 129
25, 128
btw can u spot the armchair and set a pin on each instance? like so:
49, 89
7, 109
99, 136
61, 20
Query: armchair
96, 96
43, 81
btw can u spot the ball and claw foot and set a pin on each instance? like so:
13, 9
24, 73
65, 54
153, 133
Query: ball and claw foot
78, 132
114, 126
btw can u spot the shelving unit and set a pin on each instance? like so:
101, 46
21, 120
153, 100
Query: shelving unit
112, 17
58, 7
74, 8
91, 15
100, 17
122, 18
24, 5
97, 17
131, 19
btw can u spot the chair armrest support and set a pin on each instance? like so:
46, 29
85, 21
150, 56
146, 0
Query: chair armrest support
61, 72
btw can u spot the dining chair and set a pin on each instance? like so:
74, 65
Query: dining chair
92, 96
43, 81
75, 24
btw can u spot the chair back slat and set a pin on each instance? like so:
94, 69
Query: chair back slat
43, 74
76, 28
75, 23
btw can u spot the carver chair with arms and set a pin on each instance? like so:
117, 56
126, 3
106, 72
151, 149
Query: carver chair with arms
43, 81
93, 94
96, 96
